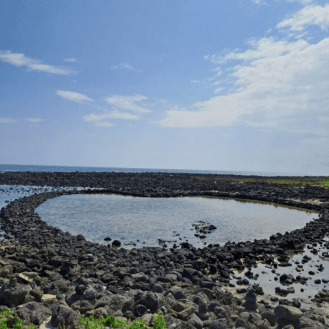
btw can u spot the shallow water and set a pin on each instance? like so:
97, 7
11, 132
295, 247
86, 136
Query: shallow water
130, 218
143, 221
10, 193
302, 291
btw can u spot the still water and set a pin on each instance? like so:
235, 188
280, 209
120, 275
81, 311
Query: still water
139, 222
130, 219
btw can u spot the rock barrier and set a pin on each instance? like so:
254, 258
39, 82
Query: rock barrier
47, 272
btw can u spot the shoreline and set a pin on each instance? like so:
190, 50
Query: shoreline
207, 269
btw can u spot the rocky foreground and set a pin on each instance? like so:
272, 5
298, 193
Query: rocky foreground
47, 274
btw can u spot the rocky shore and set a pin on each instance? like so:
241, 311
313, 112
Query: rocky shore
46, 273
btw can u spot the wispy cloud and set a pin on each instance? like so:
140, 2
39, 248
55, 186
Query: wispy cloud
123, 115
304, 2
73, 96
18, 60
258, 1
310, 15
98, 120
124, 66
127, 103
7, 120
70, 60
34, 120
277, 84
119, 104
266, 47
101, 120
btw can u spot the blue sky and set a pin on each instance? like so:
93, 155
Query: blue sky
237, 85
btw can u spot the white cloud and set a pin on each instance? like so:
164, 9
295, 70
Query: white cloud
122, 66
100, 120
123, 115
310, 15
73, 96
7, 120
279, 85
34, 120
127, 103
18, 59
304, 2
257, 2
110, 115
70, 60
264, 48
105, 124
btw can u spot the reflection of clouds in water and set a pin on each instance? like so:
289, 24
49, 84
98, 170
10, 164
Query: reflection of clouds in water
146, 219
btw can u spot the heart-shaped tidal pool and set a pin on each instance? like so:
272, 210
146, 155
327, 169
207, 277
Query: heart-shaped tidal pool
139, 222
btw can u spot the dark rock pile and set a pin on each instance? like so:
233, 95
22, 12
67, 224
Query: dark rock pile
202, 228
45, 272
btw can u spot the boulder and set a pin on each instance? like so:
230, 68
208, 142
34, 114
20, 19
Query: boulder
219, 324
269, 316
34, 313
177, 292
13, 296
288, 312
64, 317
149, 300
173, 323
196, 321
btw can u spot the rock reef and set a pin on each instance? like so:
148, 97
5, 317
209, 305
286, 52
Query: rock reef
49, 273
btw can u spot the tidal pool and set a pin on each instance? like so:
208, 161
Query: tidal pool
139, 222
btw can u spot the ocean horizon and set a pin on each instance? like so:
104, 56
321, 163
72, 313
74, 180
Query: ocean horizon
45, 168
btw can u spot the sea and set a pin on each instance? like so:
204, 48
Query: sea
36, 168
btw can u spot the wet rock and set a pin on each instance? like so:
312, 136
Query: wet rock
257, 289
283, 291
81, 238
116, 243
287, 278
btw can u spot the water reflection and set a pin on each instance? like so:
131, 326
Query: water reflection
142, 221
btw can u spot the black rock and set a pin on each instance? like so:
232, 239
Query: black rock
116, 243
